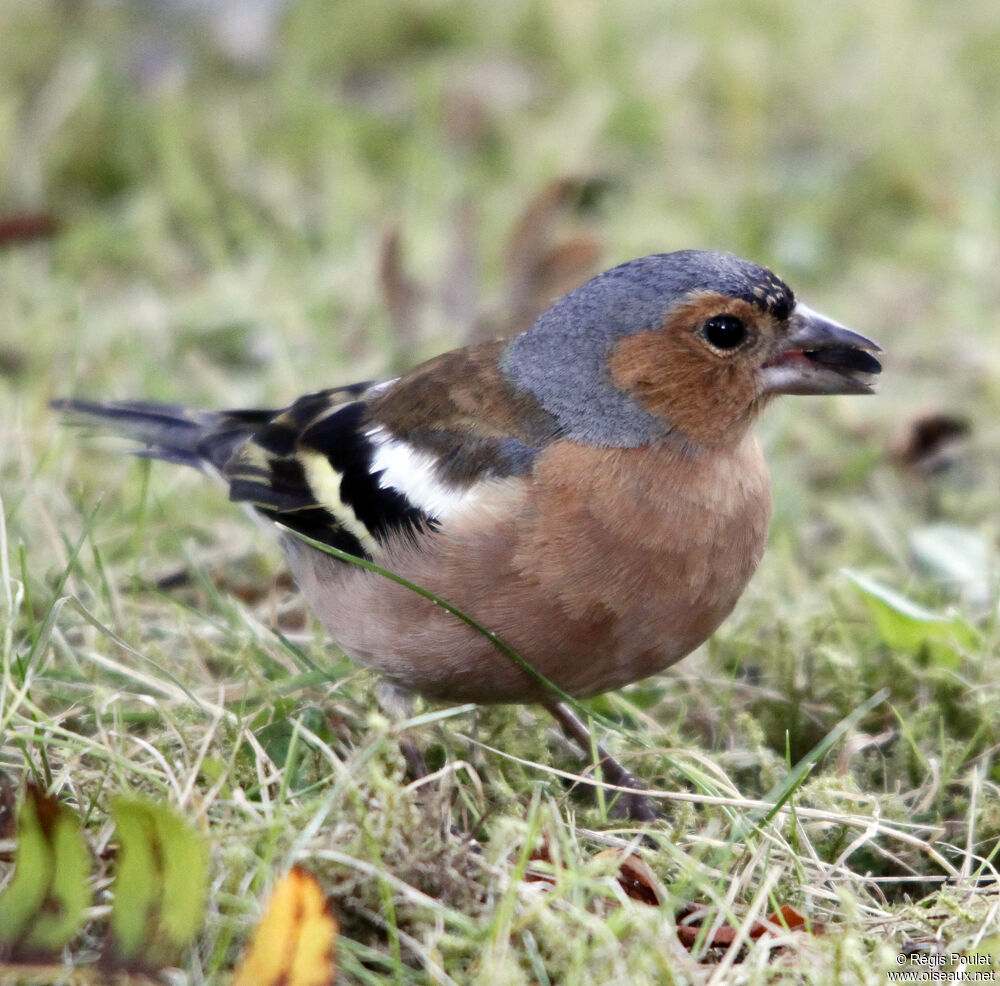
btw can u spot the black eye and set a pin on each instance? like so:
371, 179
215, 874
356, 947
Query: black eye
725, 331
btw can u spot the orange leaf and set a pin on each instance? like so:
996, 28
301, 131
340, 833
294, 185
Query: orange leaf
294, 944
688, 933
787, 917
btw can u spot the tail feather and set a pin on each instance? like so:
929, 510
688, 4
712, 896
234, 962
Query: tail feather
307, 467
169, 431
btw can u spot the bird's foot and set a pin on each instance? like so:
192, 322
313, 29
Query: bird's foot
632, 803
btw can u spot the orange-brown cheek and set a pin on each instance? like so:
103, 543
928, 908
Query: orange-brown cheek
710, 400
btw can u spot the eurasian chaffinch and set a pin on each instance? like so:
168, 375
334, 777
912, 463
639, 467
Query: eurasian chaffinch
589, 491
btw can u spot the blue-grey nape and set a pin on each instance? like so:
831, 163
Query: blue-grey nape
633, 297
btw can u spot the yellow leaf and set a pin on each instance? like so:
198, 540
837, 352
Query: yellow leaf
294, 944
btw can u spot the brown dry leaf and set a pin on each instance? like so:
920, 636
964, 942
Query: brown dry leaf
634, 874
26, 227
537, 269
858, 742
403, 297
540, 868
690, 930
541, 262
929, 442
8, 805
294, 944
787, 918
13, 362
636, 877
533, 232
565, 266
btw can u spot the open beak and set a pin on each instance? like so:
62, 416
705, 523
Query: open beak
820, 356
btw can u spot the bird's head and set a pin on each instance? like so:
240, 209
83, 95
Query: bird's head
690, 344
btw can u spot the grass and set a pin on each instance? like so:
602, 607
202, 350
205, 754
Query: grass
222, 225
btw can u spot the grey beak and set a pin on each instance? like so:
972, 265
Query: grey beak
820, 356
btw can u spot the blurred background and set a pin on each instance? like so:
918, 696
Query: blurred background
229, 201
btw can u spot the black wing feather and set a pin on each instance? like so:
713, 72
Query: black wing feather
268, 472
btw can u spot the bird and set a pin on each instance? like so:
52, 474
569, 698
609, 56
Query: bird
588, 493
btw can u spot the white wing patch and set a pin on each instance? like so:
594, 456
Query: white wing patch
414, 474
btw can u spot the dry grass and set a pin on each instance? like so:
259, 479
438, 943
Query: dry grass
232, 233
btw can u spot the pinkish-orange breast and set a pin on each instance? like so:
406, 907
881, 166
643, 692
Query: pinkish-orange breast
604, 567
649, 547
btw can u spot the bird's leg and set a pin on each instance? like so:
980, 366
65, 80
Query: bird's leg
397, 705
635, 806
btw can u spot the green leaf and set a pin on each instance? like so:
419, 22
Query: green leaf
138, 882
907, 626
33, 867
42, 907
161, 883
69, 893
185, 877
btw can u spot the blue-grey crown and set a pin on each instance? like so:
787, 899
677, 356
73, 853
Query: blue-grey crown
563, 358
